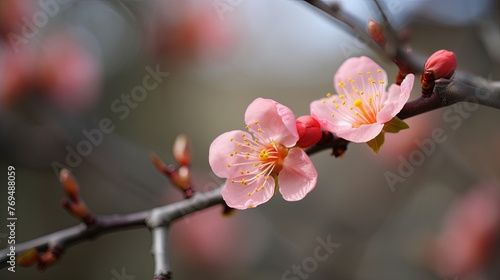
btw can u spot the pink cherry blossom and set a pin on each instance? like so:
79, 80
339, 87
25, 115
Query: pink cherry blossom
255, 161
362, 106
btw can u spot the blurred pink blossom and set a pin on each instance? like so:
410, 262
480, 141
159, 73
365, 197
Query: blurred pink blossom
189, 30
218, 244
68, 74
11, 15
468, 237
251, 166
62, 71
16, 74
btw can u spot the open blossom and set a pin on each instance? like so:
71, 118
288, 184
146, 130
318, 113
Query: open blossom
252, 161
362, 105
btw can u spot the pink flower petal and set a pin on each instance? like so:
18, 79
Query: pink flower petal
276, 121
323, 114
362, 134
237, 195
219, 155
397, 96
355, 65
298, 176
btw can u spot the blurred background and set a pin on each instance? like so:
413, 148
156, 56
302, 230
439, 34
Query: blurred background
151, 70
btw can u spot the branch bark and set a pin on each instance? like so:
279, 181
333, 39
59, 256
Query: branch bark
156, 217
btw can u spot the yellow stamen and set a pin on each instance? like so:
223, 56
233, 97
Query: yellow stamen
358, 103
263, 155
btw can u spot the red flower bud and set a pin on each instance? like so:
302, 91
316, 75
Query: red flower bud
375, 31
181, 177
28, 258
182, 150
442, 63
47, 259
309, 131
70, 184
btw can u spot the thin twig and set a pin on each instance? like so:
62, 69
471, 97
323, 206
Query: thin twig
389, 32
160, 252
358, 28
66, 238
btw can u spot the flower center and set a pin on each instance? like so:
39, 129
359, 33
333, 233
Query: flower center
359, 101
259, 160
367, 116
264, 155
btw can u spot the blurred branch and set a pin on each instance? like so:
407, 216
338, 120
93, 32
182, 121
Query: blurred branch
159, 217
394, 51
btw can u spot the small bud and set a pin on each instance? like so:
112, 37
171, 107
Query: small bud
69, 183
79, 210
181, 177
375, 31
442, 63
47, 259
309, 131
158, 163
28, 258
182, 150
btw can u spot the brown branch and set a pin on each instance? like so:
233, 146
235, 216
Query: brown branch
64, 239
394, 51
